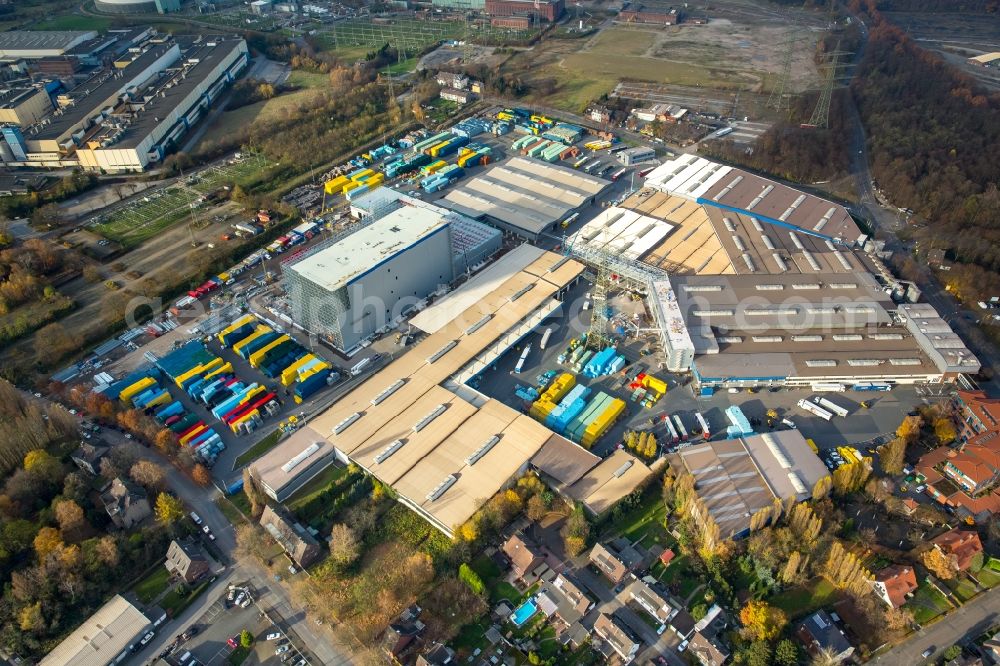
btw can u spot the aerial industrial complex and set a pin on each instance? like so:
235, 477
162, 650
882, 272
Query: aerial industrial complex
121, 101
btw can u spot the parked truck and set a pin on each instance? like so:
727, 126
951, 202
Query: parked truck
815, 409
831, 406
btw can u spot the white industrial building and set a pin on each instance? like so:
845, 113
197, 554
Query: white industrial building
363, 282
31, 44
103, 638
622, 232
134, 113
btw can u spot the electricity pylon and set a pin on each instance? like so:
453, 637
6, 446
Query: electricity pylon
821, 114
782, 87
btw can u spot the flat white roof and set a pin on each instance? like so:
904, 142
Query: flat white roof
623, 231
352, 257
677, 331
443, 312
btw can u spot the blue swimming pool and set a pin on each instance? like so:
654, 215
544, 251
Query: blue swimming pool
524, 612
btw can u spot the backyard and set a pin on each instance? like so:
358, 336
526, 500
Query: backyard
150, 587
804, 599
927, 603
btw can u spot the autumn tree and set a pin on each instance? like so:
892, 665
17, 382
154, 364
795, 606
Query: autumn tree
944, 430
761, 622
850, 477
892, 455
254, 493
536, 508
576, 531
252, 541
201, 475
166, 441
791, 573
846, 570
345, 547
43, 466
72, 522
938, 563
168, 509
909, 429
47, 541
149, 475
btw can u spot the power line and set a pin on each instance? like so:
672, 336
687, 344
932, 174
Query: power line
821, 114
777, 100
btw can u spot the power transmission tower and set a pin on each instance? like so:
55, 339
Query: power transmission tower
776, 100
598, 337
821, 114
467, 40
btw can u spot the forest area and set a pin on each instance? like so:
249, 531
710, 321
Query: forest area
61, 557
934, 137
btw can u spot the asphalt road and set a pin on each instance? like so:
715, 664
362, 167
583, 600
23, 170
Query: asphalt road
969, 621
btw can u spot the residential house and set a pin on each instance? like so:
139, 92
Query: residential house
525, 557
402, 634
666, 557
975, 414
964, 545
714, 613
126, 503
186, 560
653, 599
565, 603
682, 624
297, 542
599, 114
575, 593
894, 584
438, 655
617, 636
818, 632
454, 80
991, 648
456, 95
708, 651
88, 457
616, 559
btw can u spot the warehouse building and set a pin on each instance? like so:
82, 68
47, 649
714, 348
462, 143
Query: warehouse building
30, 44
24, 105
284, 469
123, 118
524, 196
794, 330
537, 10
363, 282
137, 6
736, 478
104, 638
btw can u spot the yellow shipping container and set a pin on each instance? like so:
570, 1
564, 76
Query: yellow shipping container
261, 330
601, 424
228, 367
137, 388
351, 186
289, 374
560, 387
336, 185
258, 355
360, 177
654, 384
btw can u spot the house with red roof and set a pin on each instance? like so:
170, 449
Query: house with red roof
895, 583
964, 545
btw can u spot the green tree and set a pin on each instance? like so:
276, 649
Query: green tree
246, 638
468, 576
786, 653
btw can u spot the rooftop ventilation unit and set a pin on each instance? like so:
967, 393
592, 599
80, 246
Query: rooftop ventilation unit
482, 450
521, 292
811, 260
885, 336
291, 464
796, 482
760, 197
559, 264
442, 487
624, 468
388, 451
806, 286
451, 344
424, 422
713, 313
842, 285
778, 259
770, 287
767, 338
768, 243
864, 361
904, 361
795, 241
346, 423
826, 218
387, 391
756, 224
730, 339
821, 363
779, 455
479, 324
847, 337
702, 287
751, 266
807, 338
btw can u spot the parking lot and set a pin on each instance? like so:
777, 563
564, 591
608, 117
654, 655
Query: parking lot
863, 425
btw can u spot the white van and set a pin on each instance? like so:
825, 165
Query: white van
196, 518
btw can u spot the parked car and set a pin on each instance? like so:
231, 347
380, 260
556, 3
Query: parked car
233, 642
283, 649
273, 636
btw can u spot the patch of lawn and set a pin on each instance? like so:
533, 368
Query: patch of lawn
230, 511
492, 577
646, 523
315, 486
927, 603
180, 598
73, 22
988, 578
798, 601
152, 585
963, 588
258, 449
302, 79
239, 501
239, 655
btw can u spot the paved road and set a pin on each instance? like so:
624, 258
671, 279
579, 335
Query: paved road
968, 621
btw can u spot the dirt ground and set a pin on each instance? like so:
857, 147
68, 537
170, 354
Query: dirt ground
740, 49
444, 57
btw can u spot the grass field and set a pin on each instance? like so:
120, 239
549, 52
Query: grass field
258, 449
152, 585
963, 588
988, 577
927, 603
798, 601
316, 485
73, 22
153, 212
